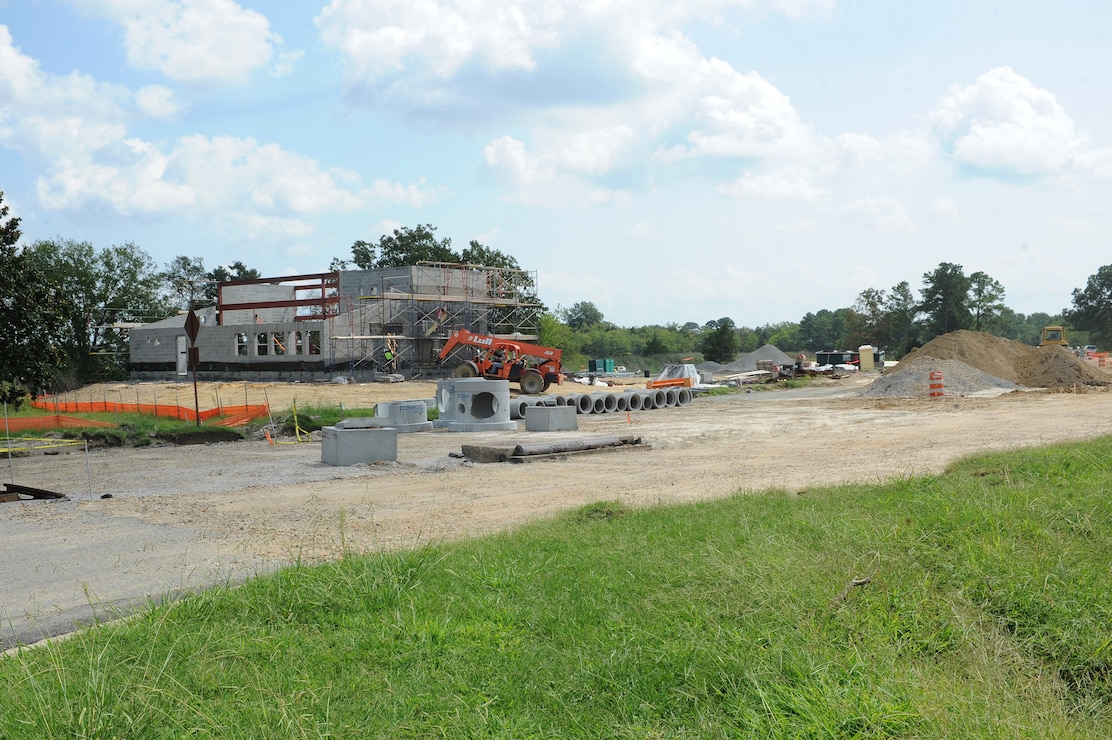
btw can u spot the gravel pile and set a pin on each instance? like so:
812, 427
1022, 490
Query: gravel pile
748, 363
710, 366
913, 380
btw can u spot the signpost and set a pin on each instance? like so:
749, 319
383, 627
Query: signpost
192, 326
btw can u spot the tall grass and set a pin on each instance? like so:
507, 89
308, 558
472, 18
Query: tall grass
971, 604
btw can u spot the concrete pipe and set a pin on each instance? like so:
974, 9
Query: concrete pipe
634, 401
518, 406
609, 402
686, 396
660, 398
598, 403
648, 400
622, 401
585, 404
671, 397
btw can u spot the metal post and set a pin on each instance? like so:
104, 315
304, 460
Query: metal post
8, 438
88, 468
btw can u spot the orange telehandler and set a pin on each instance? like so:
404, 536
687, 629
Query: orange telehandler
531, 366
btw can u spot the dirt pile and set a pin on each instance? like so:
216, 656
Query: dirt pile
994, 362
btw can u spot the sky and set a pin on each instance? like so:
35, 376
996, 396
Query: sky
666, 161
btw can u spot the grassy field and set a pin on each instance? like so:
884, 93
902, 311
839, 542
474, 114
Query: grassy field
977, 603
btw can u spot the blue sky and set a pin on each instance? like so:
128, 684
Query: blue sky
669, 162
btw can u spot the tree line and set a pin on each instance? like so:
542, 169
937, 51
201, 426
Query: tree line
65, 307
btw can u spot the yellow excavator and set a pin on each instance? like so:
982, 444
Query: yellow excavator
1053, 336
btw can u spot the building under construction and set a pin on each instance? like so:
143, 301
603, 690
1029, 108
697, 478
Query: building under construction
360, 324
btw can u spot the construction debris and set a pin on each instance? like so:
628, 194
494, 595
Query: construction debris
14, 492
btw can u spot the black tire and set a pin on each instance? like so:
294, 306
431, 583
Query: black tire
531, 383
466, 370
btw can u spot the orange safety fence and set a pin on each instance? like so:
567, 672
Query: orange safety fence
227, 416
38, 423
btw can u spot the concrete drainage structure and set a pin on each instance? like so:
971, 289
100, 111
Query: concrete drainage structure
474, 405
355, 445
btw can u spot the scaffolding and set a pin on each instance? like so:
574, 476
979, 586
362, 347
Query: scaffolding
415, 313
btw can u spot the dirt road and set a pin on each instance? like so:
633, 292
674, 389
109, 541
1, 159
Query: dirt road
186, 517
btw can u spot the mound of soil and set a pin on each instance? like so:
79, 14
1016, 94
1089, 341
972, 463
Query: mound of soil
1033, 367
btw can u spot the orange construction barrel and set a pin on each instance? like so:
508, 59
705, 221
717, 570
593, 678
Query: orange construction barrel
937, 390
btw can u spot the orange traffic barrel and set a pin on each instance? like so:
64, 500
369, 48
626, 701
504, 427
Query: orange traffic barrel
937, 390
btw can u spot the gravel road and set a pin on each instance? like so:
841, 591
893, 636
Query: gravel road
183, 518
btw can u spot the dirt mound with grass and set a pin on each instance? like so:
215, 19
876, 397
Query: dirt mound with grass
974, 362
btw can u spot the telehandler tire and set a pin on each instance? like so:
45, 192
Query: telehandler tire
466, 370
531, 383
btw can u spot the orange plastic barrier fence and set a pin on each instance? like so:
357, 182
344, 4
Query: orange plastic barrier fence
228, 415
52, 422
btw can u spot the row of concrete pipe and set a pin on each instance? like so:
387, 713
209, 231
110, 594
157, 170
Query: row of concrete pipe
607, 402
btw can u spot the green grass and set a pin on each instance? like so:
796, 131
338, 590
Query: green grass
987, 613
131, 428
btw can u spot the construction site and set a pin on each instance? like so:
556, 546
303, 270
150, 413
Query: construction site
161, 518
351, 324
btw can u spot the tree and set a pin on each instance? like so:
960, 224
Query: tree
1092, 306
32, 318
720, 344
408, 246
986, 301
945, 300
582, 315
225, 274
103, 289
184, 281
899, 312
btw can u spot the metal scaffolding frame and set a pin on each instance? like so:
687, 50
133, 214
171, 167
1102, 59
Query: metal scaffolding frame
442, 297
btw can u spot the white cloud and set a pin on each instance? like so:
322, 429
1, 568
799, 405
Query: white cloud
787, 183
157, 102
552, 177
1004, 124
196, 41
884, 215
945, 208
644, 230
76, 131
426, 37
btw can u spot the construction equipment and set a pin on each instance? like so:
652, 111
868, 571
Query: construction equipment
533, 367
1053, 336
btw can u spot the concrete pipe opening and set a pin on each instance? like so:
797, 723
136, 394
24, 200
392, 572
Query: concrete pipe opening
517, 408
648, 400
685, 396
660, 399
585, 404
622, 401
635, 402
483, 405
598, 403
671, 397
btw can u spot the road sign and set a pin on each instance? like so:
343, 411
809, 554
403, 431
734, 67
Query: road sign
192, 326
